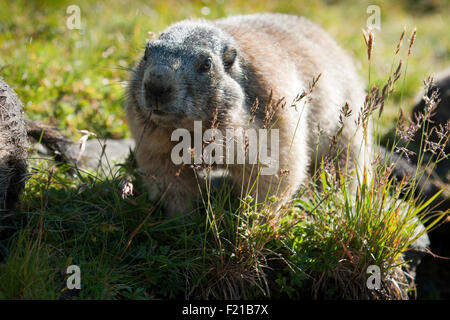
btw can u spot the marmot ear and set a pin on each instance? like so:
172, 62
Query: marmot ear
229, 56
147, 52
152, 37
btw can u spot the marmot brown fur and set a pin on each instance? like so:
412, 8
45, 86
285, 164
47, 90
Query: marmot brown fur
214, 71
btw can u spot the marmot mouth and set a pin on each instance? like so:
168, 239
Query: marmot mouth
159, 112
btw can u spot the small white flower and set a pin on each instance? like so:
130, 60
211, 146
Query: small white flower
82, 142
126, 188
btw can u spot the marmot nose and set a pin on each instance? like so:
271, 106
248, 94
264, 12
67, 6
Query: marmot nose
157, 92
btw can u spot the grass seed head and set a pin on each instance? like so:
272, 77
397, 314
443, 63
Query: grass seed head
411, 41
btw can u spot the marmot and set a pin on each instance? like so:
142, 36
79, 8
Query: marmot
218, 71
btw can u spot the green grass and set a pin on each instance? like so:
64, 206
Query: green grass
318, 246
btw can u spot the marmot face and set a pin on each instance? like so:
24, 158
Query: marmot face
187, 74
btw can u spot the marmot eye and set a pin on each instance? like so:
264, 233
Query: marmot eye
205, 66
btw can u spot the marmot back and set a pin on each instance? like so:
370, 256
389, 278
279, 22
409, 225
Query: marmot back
214, 71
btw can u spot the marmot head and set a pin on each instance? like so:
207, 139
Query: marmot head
191, 71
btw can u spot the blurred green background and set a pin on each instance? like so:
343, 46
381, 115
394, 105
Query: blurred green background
75, 79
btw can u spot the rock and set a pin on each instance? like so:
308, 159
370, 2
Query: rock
416, 251
440, 118
54, 141
427, 187
105, 152
442, 113
13, 147
433, 273
98, 153
13, 155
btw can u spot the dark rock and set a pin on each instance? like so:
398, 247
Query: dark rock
441, 115
13, 154
433, 272
440, 118
416, 252
53, 140
13, 146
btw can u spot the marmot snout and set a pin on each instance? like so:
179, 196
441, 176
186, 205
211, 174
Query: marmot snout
214, 71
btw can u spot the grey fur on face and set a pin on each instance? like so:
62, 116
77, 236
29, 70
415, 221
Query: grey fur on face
189, 72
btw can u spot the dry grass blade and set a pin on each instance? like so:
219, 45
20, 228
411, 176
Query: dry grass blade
412, 40
400, 42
